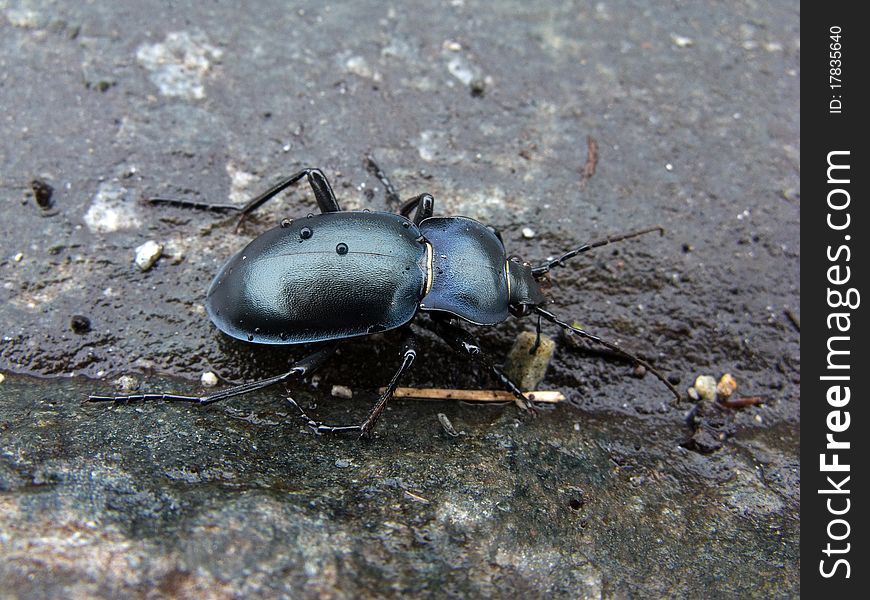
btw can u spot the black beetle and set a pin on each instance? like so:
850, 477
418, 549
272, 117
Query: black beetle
342, 274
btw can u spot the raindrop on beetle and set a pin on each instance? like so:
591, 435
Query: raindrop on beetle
285, 223
341, 249
305, 233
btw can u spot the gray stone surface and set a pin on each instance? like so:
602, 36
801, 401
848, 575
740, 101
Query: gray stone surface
695, 109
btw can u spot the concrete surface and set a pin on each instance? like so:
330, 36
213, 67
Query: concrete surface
695, 110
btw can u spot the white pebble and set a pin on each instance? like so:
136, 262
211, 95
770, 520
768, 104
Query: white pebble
147, 254
528, 233
706, 387
342, 391
127, 383
208, 379
682, 41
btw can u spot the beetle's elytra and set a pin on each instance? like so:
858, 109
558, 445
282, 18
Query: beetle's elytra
341, 274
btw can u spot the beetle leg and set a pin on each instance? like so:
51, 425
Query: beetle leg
390, 191
409, 354
194, 204
464, 343
319, 427
425, 205
316, 179
300, 369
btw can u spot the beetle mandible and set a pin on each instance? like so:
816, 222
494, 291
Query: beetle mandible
342, 274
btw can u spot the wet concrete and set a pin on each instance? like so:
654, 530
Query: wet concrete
695, 112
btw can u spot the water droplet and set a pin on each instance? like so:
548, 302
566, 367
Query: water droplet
285, 223
283, 335
250, 337
257, 330
305, 233
341, 248
443, 256
310, 215
376, 328
367, 210
406, 224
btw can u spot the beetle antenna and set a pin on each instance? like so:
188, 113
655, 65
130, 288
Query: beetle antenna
553, 319
539, 271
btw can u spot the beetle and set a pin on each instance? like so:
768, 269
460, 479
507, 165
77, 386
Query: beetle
343, 274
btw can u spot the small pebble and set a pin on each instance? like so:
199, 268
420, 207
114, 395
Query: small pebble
528, 369
42, 193
693, 394
2, 377
447, 426
18, 257
173, 251
208, 379
127, 383
342, 391
342, 463
477, 87
147, 254
726, 386
681, 41
705, 385
528, 233
80, 324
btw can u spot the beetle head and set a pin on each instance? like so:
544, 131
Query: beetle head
525, 293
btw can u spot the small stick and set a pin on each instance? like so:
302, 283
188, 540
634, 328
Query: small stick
546, 396
742, 402
591, 161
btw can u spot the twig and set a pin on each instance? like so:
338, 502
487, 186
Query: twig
591, 161
742, 402
545, 396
